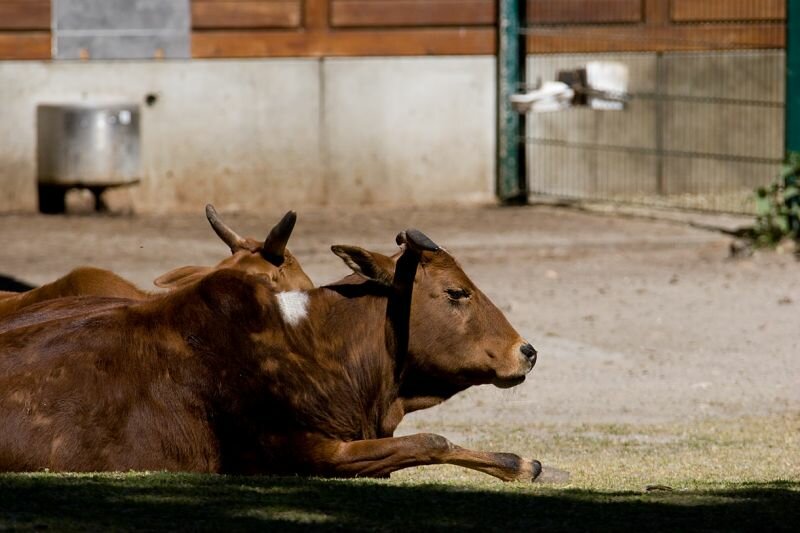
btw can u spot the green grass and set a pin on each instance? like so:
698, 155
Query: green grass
740, 475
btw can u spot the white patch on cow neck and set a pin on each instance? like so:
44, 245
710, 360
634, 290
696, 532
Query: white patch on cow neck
293, 305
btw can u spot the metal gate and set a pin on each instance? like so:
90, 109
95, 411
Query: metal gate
704, 125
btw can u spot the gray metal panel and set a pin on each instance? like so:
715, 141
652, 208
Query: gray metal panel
121, 29
121, 15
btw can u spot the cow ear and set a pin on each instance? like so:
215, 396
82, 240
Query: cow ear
369, 265
180, 277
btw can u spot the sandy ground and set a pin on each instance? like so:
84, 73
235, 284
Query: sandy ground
636, 321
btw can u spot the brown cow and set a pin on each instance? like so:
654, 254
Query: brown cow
268, 258
226, 375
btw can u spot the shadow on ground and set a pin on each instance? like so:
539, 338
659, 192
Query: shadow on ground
217, 503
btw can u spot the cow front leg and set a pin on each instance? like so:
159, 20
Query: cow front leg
380, 457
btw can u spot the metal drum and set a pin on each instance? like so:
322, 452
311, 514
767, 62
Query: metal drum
85, 145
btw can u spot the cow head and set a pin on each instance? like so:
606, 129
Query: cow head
269, 258
455, 333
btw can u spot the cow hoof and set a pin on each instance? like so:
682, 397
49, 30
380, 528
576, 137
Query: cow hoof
550, 474
528, 471
536, 468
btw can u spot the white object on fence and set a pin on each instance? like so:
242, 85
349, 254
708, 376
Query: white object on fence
608, 85
551, 96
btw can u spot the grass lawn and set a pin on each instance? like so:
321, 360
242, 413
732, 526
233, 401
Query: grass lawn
738, 475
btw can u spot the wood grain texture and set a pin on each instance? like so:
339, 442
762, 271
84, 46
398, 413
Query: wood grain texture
727, 10
216, 14
467, 27
481, 41
25, 15
656, 12
371, 13
584, 11
355, 13
24, 45
442, 41
473, 41
656, 39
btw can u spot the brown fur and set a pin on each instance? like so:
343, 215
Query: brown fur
88, 281
214, 380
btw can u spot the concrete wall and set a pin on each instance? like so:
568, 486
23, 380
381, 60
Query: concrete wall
409, 130
279, 132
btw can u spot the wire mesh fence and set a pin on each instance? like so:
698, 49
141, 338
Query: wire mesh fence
705, 124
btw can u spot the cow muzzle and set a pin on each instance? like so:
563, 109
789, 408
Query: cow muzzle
527, 359
529, 352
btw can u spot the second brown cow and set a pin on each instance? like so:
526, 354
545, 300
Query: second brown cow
268, 258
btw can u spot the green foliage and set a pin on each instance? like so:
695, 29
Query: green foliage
778, 206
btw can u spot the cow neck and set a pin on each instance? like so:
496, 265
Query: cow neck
352, 381
421, 391
416, 389
397, 314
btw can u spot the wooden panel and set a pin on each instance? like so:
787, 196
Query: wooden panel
24, 45
481, 41
656, 12
210, 44
220, 14
375, 13
660, 38
25, 15
472, 41
584, 11
316, 16
727, 10
387, 27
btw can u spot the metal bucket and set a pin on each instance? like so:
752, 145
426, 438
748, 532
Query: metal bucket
84, 145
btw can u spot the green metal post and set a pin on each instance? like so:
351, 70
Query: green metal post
792, 113
511, 186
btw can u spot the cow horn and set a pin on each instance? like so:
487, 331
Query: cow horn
274, 247
416, 240
228, 236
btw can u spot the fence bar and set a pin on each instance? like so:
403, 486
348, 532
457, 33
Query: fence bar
511, 178
792, 112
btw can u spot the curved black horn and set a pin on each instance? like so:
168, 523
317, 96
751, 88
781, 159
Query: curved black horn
275, 244
228, 236
417, 241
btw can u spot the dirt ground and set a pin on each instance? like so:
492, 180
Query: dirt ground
636, 321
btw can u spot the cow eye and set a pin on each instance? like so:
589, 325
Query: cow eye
457, 294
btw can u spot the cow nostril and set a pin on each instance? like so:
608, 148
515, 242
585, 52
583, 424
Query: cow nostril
528, 351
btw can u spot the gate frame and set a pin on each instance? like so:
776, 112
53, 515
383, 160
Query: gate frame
792, 97
511, 178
